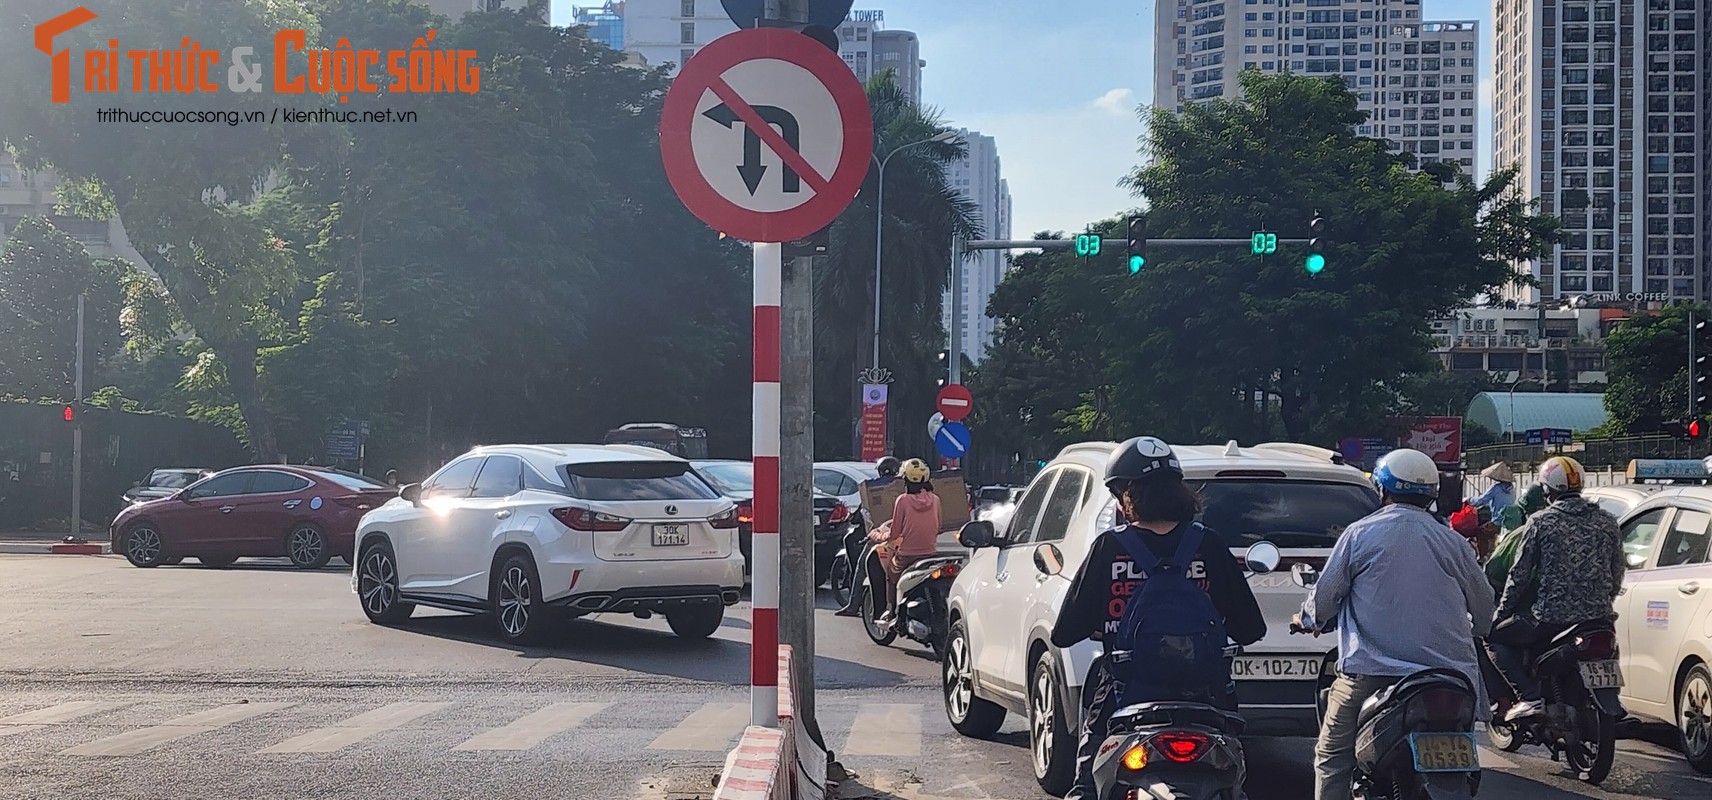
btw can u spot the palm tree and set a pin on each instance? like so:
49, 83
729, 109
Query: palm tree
922, 213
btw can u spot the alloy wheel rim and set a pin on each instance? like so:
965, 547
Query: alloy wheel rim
959, 679
1040, 720
514, 601
305, 545
144, 544
1696, 716
377, 586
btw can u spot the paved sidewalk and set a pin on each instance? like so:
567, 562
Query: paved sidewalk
38, 542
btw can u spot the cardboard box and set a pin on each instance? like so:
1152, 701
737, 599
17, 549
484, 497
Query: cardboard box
880, 495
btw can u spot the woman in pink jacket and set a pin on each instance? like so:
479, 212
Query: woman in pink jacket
913, 532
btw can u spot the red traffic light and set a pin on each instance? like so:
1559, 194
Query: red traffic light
1695, 429
70, 414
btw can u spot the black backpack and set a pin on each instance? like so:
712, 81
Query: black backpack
1171, 639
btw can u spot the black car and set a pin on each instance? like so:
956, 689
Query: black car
164, 482
736, 480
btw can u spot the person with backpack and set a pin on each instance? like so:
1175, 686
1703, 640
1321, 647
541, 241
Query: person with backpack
1406, 594
1162, 593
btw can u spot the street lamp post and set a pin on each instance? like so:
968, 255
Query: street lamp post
1512, 420
880, 224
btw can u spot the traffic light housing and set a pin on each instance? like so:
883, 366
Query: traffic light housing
1317, 241
1136, 246
1700, 378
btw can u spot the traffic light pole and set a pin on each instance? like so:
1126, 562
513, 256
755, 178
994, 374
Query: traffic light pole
1067, 244
955, 357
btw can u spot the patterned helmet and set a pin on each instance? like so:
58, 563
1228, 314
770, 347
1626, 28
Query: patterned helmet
915, 470
1561, 475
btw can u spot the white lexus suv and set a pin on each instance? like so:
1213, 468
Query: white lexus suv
999, 657
527, 533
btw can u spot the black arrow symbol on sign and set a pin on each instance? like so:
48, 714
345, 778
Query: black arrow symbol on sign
752, 169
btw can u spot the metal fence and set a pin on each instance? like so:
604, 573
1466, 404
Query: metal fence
1593, 454
1473, 485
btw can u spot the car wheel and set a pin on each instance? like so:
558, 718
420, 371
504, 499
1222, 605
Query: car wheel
377, 586
307, 547
217, 562
1051, 746
696, 622
515, 601
143, 546
1694, 717
968, 714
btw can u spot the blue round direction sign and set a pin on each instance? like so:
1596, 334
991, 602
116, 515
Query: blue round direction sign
952, 441
748, 13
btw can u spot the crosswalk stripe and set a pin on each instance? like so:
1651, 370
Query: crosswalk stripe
64, 712
711, 728
356, 729
885, 729
134, 742
532, 729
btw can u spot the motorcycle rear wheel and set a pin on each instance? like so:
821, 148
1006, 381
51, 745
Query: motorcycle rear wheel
1591, 758
840, 581
1504, 736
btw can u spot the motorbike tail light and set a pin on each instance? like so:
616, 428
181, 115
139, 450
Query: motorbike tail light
1444, 708
746, 512
1596, 646
725, 521
840, 513
1182, 747
1136, 758
947, 571
582, 519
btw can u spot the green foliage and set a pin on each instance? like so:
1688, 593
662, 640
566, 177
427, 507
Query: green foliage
42, 271
1646, 360
1182, 349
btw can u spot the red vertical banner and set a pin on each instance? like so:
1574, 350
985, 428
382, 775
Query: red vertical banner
873, 421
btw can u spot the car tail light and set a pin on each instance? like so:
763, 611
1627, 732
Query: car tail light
1183, 747
1135, 758
947, 571
840, 513
746, 512
724, 521
582, 519
1596, 646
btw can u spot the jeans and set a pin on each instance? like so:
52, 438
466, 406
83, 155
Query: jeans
1334, 753
1515, 662
1497, 687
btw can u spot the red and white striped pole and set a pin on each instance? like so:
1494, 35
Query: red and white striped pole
764, 547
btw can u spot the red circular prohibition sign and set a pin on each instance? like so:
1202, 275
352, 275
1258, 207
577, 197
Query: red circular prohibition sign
706, 72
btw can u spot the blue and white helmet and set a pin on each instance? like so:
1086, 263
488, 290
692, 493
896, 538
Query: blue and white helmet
1407, 472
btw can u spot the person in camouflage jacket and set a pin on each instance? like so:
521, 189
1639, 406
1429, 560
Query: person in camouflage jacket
1568, 571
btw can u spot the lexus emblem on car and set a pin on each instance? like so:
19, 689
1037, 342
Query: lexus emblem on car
672, 510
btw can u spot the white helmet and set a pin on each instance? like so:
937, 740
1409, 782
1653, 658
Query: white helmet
1407, 472
1561, 475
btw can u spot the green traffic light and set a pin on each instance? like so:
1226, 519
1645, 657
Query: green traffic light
1315, 263
1136, 263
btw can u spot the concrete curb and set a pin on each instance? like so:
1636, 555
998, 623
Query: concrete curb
763, 767
61, 548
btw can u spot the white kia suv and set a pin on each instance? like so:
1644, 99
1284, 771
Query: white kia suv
999, 657
527, 533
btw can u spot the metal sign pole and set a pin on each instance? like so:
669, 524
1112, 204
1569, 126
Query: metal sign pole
77, 434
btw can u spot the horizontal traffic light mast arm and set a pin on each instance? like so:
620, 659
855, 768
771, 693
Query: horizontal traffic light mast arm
1067, 244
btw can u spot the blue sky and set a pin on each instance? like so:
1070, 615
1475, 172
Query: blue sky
1057, 84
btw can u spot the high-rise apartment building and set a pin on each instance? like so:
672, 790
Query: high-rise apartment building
1603, 105
671, 31
1417, 80
978, 177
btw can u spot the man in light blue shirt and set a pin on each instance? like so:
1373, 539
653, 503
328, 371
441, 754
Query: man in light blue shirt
1502, 495
1407, 594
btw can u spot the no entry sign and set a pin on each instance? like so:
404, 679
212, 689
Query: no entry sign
766, 135
955, 402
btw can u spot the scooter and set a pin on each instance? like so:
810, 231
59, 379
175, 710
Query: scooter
924, 590
1579, 678
1171, 751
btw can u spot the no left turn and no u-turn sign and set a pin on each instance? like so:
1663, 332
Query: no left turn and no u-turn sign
766, 135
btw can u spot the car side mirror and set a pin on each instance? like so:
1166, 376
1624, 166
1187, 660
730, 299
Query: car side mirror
978, 534
412, 493
1263, 557
1048, 559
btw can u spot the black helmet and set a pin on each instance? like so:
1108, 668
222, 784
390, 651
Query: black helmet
887, 467
1140, 458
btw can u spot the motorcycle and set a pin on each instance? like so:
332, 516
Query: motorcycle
924, 591
856, 550
1579, 678
1170, 751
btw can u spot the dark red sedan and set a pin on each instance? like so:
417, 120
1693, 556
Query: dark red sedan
306, 514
